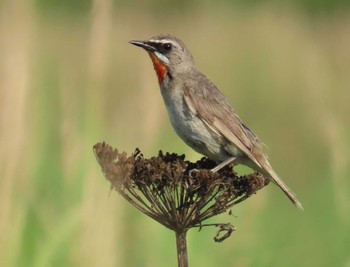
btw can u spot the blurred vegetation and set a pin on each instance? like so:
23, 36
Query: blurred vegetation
69, 79
154, 6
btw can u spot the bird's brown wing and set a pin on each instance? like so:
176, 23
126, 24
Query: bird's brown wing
211, 106
208, 103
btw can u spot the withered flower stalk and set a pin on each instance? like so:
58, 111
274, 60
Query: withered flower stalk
177, 193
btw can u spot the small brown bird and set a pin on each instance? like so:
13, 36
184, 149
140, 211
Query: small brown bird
201, 114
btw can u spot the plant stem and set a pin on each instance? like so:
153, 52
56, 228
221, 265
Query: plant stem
181, 248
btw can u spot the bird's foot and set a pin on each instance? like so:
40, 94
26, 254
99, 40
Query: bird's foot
191, 172
215, 169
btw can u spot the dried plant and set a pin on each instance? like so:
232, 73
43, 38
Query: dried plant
177, 193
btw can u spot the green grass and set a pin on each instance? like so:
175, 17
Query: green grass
68, 83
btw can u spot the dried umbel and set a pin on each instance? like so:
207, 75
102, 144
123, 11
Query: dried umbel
175, 192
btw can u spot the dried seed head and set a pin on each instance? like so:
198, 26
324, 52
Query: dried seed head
177, 193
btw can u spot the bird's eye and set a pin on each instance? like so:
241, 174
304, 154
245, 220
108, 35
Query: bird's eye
167, 46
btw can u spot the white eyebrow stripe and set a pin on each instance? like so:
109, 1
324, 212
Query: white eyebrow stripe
163, 41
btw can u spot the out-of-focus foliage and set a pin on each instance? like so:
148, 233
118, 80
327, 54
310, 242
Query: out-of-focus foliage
83, 6
65, 6
69, 79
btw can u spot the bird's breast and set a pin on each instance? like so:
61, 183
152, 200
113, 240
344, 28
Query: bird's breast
191, 128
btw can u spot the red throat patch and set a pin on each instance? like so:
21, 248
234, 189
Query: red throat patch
158, 67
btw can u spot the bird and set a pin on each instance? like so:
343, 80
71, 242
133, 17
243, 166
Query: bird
201, 114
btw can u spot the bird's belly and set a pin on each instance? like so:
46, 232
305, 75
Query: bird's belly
195, 133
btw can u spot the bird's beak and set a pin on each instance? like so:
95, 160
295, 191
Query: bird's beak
144, 44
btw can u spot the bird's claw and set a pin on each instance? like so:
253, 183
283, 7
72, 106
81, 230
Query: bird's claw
190, 173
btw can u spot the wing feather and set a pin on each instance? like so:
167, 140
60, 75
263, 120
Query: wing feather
212, 107
219, 116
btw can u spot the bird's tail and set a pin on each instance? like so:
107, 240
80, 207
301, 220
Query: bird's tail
267, 170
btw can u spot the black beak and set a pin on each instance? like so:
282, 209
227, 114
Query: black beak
144, 44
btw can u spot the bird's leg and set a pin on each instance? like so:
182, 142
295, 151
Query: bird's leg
223, 164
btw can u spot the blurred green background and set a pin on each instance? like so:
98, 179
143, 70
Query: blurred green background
69, 79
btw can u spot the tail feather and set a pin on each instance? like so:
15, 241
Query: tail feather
289, 193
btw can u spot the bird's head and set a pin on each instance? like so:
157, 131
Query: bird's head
169, 55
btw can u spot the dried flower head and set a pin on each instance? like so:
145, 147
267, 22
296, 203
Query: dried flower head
175, 192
